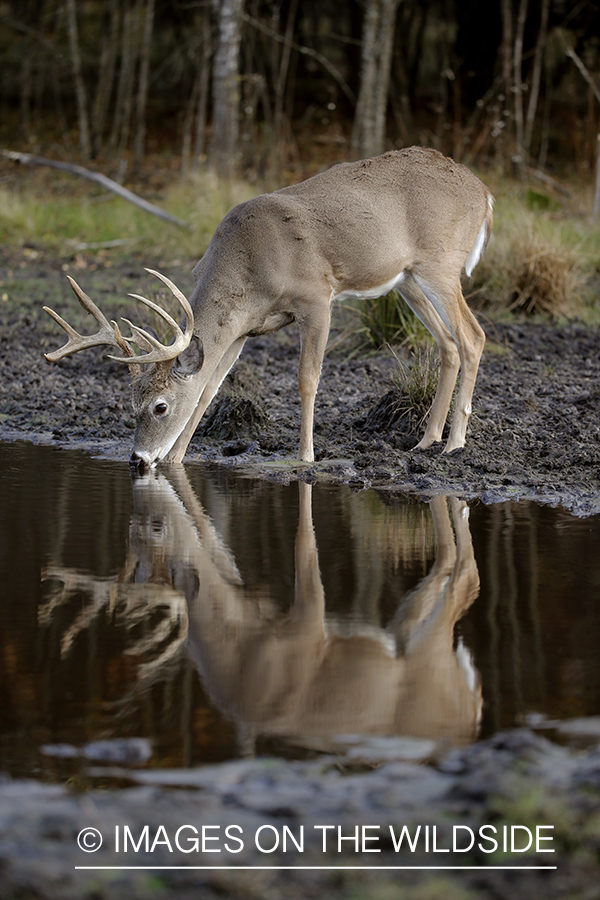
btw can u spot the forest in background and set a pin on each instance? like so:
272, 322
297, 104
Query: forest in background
274, 89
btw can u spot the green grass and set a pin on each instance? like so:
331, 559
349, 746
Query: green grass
62, 215
387, 320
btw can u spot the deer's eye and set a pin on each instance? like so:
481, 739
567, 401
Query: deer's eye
161, 409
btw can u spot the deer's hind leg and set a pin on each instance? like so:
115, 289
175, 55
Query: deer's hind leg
449, 359
448, 306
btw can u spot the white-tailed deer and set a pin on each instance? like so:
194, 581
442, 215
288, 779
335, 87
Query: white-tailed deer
302, 674
410, 219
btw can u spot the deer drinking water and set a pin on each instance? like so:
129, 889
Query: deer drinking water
409, 219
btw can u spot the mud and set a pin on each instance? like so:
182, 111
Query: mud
534, 432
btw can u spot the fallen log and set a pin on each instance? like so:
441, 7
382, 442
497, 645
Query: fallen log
28, 159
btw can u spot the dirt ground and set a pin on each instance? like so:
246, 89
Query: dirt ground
534, 432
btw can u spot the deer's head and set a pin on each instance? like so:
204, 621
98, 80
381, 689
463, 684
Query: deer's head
164, 376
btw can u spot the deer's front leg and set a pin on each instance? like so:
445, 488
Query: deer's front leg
177, 452
313, 340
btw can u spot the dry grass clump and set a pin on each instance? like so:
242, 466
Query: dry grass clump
544, 278
412, 394
542, 256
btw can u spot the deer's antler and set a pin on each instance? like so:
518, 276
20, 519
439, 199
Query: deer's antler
109, 333
143, 339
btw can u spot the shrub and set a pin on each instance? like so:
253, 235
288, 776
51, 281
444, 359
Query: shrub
544, 277
389, 320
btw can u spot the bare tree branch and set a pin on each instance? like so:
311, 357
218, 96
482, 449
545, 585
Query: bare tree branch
578, 62
29, 160
306, 51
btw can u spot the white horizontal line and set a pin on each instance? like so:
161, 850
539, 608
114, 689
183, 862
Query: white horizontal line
317, 868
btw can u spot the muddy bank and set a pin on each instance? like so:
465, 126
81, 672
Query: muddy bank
516, 780
534, 432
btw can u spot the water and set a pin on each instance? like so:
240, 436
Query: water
218, 615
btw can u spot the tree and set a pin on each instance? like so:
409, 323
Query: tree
142, 95
85, 143
368, 132
226, 88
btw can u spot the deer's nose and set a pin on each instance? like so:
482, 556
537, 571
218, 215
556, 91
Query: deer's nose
137, 462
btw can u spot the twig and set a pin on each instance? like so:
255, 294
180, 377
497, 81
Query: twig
306, 51
586, 74
29, 160
546, 179
100, 245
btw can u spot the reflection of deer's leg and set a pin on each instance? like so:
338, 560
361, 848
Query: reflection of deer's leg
202, 528
444, 536
466, 573
418, 606
309, 602
442, 692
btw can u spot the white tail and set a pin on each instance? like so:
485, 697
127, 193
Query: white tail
410, 219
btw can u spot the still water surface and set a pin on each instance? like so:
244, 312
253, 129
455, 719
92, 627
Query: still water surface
219, 615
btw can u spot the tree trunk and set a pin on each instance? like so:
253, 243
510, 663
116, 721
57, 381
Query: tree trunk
140, 111
106, 76
518, 157
368, 132
223, 152
124, 103
284, 66
84, 127
507, 83
203, 88
188, 124
536, 76
26, 80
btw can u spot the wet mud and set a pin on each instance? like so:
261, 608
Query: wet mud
534, 432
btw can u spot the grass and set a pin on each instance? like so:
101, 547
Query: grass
416, 386
387, 320
411, 395
58, 213
543, 255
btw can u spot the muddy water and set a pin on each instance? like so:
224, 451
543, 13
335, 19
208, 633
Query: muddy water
218, 615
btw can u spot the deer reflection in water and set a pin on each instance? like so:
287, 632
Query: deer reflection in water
303, 675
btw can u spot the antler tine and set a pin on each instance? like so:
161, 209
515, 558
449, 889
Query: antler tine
189, 313
158, 309
105, 335
162, 352
143, 339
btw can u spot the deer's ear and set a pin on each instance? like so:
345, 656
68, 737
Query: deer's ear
189, 360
